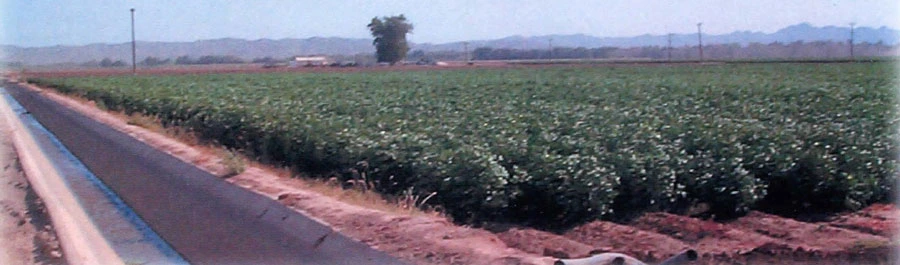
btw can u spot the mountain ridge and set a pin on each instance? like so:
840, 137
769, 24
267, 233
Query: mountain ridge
799, 32
286, 47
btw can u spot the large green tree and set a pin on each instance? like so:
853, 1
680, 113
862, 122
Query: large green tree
390, 38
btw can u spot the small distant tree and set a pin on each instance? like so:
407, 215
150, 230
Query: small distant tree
154, 61
184, 59
390, 38
106, 62
267, 59
218, 59
416, 55
482, 53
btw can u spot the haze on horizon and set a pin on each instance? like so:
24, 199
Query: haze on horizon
41, 23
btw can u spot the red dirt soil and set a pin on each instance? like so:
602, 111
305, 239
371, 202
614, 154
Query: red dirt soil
863, 237
644, 245
757, 238
879, 219
771, 239
547, 244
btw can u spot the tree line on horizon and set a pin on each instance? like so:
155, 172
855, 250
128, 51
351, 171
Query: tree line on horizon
776, 50
794, 50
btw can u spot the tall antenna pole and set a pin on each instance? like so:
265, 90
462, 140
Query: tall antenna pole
133, 54
669, 48
700, 40
851, 39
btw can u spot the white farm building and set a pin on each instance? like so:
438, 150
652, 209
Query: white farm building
309, 61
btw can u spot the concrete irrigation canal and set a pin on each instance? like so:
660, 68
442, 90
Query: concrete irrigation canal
187, 214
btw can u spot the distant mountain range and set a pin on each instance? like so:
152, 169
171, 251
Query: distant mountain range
246, 49
283, 48
800, 32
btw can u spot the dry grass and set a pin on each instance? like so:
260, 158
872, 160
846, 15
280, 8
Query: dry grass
232, 161
355, 195
872, 244
369, 200
146, 122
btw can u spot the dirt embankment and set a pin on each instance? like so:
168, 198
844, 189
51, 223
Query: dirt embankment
854, 238
757, 238
25, 229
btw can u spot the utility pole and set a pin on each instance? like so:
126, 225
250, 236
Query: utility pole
466, 48
133, 54
700, 40
550, 44
669, 48
851, 39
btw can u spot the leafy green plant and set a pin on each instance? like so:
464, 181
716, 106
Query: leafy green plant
555, 146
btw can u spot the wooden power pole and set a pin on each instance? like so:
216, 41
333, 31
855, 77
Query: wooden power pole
133, 48
669, 48
851, 39
700, 40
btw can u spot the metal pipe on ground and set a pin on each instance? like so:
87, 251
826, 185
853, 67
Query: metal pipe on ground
621, 259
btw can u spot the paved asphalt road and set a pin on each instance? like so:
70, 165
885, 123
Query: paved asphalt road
204, 218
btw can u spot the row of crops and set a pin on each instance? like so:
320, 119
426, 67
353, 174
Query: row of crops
551, 147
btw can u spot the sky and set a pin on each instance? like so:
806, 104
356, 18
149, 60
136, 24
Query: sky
39, 23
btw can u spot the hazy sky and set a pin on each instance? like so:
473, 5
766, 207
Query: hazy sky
69, 22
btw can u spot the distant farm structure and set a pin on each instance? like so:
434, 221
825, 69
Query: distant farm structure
309, 61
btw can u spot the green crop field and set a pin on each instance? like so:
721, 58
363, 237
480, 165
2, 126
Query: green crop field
555, 146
